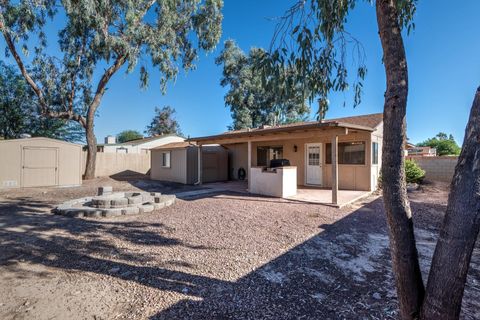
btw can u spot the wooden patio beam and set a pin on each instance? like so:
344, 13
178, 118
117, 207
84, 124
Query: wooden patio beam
278, 136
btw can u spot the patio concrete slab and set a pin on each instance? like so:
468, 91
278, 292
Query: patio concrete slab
324, 196
213, 188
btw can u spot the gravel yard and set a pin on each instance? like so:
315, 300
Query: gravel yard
224, 256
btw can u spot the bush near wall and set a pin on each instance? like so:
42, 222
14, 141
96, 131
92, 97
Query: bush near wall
413, 172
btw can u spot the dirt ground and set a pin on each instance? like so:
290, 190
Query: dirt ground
224, 256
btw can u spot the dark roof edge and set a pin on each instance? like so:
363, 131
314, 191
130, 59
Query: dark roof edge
257, 132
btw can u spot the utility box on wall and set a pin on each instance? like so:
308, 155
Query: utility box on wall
39, 162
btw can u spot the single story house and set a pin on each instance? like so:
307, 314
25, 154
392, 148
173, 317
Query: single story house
179, 162
415, 151
343, 153
39, 162
139, 145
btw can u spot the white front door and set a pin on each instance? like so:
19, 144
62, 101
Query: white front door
313, 163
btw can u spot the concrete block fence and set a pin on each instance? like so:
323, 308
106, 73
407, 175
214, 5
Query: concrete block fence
437, 168
113, 163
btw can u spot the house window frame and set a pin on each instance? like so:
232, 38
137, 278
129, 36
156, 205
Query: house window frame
277, 150
375, 153
328, 158
166, 159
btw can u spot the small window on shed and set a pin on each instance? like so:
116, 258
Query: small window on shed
166, 159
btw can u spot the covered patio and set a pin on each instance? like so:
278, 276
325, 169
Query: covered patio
328, 162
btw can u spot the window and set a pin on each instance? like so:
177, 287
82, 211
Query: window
267, 153
314, 156
348, 153
166, 159
374, 152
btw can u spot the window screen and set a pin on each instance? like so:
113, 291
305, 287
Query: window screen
314, 156
166, 159
374, 152
348, 153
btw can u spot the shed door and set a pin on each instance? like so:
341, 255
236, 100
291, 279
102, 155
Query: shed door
40, 167
210, 167
313, 163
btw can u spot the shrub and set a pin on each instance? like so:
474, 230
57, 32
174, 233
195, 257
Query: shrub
414, 173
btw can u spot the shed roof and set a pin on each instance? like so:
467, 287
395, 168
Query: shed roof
175, 145
40, 139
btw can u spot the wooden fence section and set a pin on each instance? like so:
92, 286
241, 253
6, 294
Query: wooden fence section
115, 163
437, 168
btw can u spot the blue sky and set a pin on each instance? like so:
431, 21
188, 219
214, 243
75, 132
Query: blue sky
444, 71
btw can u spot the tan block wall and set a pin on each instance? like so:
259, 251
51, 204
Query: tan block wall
113, 163
437, 168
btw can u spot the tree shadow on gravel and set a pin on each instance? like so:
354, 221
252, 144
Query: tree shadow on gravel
341, 272
28, 233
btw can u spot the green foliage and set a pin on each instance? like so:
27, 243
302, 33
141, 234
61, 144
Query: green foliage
102, 37
445, 145
164, 122
311, 38
413, 172
250, 97
128, 135
19, 113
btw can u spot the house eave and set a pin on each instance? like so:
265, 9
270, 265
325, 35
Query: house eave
272, 131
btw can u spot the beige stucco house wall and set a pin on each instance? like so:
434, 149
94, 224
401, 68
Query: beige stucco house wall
183, 166
293, 140
38, 162
351, 177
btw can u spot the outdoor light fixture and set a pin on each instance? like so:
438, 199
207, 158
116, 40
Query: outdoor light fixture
295, 148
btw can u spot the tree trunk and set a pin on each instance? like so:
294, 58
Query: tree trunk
461, 225
92, 149
404, 254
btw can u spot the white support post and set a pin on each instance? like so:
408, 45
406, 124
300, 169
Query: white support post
249, 164
335, 169
199, 162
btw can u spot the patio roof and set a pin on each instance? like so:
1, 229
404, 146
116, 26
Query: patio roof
365, 123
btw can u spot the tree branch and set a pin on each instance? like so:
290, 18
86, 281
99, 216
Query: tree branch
67, 115
21, 65
103, 83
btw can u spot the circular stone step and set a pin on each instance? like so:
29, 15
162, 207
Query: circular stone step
115, 204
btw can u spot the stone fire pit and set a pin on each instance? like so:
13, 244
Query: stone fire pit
110, 204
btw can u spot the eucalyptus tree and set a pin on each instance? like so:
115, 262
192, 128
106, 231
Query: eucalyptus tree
164, 122
311, 37
19, 113
250, 98
96, 41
